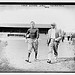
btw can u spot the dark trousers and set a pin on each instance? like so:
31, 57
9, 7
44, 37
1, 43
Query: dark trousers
55, 47
68, 37
63, 38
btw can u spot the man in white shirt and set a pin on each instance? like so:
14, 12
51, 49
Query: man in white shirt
53, 41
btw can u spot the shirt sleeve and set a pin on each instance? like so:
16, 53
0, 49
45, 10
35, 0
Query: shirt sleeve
59, 37
48, 35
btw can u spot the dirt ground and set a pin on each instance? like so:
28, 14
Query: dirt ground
13, 53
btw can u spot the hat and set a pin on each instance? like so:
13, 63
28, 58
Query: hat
53, 24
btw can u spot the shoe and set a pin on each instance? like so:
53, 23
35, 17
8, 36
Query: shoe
27, 61
49, 61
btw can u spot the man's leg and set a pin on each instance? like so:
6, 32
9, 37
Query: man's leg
29, 49
50, 53
56, 50
71, 38
35, 55
36, 49
63, 39
55, 47
29, 55
68, 38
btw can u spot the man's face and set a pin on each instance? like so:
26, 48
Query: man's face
52, 27
32, 24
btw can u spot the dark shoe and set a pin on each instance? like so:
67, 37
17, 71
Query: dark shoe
49, 61
27, 61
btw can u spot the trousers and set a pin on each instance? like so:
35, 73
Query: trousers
53, 46
32, 44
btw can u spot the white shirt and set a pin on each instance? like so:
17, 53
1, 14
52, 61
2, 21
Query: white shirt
51, 33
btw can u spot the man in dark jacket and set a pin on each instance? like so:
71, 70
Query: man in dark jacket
32, 36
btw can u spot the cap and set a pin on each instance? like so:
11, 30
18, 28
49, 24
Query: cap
53, 24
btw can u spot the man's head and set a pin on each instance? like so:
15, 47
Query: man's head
32, 23
53, 26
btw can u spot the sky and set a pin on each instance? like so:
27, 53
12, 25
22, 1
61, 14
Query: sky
62, 16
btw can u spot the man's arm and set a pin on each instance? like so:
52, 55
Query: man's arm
37, 33
49, 34
27, 34
59, 37
48, 38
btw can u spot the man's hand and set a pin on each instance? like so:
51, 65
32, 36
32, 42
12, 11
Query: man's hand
28, 35
36, 40
26, 40
48, 41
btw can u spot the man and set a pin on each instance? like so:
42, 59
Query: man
53, 42
32, 36
68, 37
71, 36
63, 36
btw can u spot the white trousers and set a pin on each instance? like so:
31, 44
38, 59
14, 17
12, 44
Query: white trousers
32, 44
51, 55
